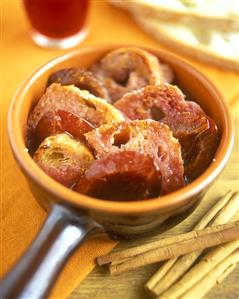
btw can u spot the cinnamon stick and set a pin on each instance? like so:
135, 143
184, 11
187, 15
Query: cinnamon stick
200, 271
225, 209
121, 256
153, 281
216, 275
228, 270
199, 240
118, 257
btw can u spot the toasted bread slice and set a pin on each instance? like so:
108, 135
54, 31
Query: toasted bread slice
63, 158
80, 78
145, 136
130, 68
74, 100
195, 131
156, 102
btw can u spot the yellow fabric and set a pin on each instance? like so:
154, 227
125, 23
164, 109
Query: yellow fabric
21, 216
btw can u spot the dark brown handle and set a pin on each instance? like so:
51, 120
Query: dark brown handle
34, 275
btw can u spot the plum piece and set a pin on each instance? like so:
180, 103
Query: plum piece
199, 137
59, 121
186, 126
121, 176
82, 79
201, 153
145, 136
63, 158
128, 69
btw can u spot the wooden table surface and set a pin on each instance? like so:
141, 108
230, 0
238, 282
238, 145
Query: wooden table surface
129, 285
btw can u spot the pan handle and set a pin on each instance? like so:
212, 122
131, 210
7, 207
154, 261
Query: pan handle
33, 276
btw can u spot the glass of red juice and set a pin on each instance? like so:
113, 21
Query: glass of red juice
57, 23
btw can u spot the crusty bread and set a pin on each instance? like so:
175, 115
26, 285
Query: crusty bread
74, 100
214, 47
220, 14
80, 78
63, 158
207, 36
195, 131
145, 136
130, 68
156, 102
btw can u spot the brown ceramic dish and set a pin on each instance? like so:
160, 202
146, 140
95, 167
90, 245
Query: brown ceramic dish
72, 216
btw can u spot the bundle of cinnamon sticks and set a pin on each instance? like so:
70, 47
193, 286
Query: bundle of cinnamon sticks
180, 277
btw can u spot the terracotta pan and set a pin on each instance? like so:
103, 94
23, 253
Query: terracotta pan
72, 216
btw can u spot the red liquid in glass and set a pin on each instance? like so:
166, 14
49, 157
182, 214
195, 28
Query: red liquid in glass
57, 18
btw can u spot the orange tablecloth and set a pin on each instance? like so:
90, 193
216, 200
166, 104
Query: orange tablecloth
21, 216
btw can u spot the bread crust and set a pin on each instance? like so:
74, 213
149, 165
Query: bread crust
145, 136
79, 102
63, 158
181, 14
130, 68
80, 78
